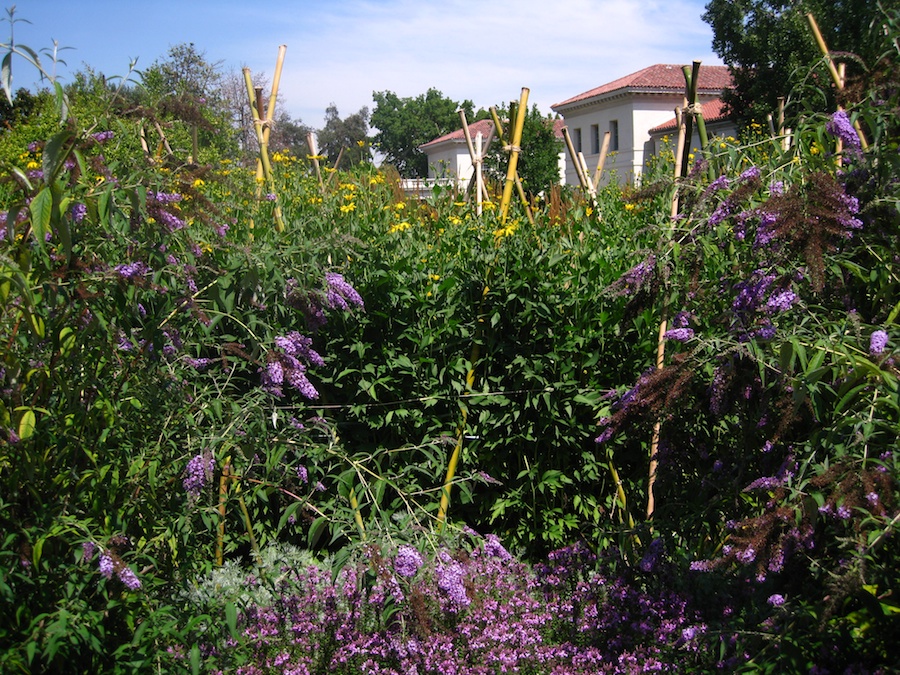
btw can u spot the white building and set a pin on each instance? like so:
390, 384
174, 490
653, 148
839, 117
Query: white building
630, 108
448, 155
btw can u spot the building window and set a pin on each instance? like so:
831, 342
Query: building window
577, 140
595, 139
614, 135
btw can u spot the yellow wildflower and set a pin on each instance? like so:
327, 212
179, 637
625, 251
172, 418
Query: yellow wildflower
435, 277
629, 207
399, 227
400, 206
199, 183
33, 165
346, 208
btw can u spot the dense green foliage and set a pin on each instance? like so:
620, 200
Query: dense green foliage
767, 45
220, 442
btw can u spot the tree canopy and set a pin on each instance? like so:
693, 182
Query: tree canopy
770, 49
349, 134
406, 123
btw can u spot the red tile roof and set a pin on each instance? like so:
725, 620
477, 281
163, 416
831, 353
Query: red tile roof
713, 111
484, 126
660, 77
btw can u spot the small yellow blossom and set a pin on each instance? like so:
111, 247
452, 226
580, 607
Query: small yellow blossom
346, 208
400, 206
399, 227
489, 205
198, 183
588, 211
361, 144
315, 200
435, 277
629, 207
33, 165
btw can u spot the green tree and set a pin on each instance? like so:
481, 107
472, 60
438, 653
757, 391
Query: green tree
538, 165
770, 49
186, 88
349, 134
406, 123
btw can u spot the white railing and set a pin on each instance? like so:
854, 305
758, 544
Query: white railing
421, 188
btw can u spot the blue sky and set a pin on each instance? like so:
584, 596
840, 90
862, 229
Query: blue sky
340, 51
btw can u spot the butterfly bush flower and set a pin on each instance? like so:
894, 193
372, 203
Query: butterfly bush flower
339, 293
877, 342
132, 269
77, 212
776, 600
106, 565
781, 301
841, 127
129, 578
102, 136
407, 562
449, 574
679, 334
87, 551
199, 470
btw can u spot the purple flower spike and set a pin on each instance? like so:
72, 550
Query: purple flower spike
878, 342
340, 294
841, 127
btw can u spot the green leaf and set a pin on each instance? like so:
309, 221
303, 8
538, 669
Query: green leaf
6, 76
26, 425
316, 530
41, 208
231, 619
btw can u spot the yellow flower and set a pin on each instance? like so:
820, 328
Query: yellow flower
723, 145
32, 165
400, 206
199, 183
361, 144
315, 200
399, 227
505, 231
346, 208
489, 205
435, 277
629, 207
814, 150
454, 220
588, 211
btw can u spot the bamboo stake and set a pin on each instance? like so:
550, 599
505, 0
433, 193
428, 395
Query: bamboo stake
514, 149
223, 493
475, 156
604, 150
270, 109
498, 126
661, 339
835, 75
479, 176
263, 150
314, 155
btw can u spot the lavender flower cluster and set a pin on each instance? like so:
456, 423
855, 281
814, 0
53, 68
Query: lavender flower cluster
285, 365
473, 610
